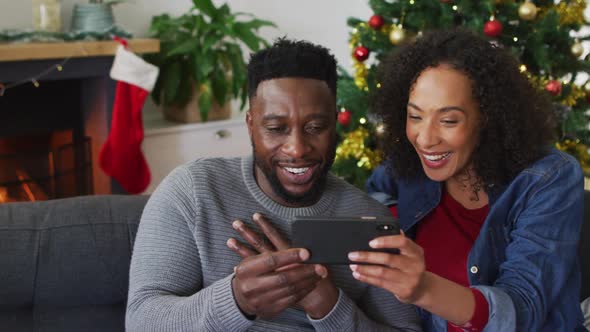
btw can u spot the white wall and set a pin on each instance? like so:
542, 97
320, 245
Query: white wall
319, 21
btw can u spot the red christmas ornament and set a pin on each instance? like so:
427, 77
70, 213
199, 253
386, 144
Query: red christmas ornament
361, 53
492, 28
376, 22
588, 97
344, 118
554, 87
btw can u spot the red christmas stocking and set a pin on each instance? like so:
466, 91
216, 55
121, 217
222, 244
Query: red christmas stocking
121, 156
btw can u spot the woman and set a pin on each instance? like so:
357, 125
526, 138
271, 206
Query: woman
491, 212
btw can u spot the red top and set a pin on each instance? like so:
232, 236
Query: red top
447, 234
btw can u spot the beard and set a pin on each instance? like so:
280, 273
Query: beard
309, 197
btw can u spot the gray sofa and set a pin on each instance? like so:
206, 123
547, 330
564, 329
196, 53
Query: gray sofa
64, 264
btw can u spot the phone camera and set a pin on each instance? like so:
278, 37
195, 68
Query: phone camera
384, 227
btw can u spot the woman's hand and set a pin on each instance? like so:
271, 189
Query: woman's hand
403, 274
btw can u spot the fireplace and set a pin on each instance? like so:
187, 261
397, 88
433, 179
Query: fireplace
56, 116
44, 153
41, 167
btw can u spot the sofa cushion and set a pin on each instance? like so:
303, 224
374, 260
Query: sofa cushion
66, 261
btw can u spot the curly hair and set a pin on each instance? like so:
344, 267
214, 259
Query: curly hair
290, 58
518, 122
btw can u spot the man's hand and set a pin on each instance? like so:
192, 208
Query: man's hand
317, 303
262, 289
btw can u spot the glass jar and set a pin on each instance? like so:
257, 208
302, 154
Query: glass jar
47, 15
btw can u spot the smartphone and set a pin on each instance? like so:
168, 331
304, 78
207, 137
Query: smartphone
330, 239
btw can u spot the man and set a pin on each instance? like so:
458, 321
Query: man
183, 275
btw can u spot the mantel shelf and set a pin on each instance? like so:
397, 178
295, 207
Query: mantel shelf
76, 49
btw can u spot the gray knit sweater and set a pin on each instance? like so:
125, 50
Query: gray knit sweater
181, 269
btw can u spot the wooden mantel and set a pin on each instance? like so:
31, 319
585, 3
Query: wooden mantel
74, 49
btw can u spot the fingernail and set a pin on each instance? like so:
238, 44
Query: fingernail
353, 255
232, 243
235, 269
256, 216
353, 267
321, 271
373, 243
303, 254
237, 224
356, 275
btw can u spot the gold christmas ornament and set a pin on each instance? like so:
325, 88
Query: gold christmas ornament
360, 75
577, 49
397, 35
575, 95
527, 11
353, 146
571, 12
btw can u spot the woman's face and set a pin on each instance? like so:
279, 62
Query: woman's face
443, 122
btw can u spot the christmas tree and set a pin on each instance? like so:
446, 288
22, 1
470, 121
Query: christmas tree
543, 35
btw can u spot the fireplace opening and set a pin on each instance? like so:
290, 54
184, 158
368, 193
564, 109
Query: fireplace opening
44, 166
45, 149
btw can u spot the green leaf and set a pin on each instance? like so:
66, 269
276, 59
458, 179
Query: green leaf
219, 85
210, 39
157, 91
206, 7
199, 25
204, 65
185, 91
224, 11
247, 36
222, 28
257, 24
171, 82
205, 101
244, 95
238, 68
184, 48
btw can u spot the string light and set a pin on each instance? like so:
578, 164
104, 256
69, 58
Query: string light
35, 79
363, 120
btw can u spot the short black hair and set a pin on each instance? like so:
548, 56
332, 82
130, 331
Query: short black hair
517, 125
291, 58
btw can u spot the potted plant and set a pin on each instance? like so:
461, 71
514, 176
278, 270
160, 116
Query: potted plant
201, 62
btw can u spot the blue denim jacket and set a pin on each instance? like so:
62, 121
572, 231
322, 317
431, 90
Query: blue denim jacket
524, 260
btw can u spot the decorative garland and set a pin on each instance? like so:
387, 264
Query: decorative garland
18, 36
25, 36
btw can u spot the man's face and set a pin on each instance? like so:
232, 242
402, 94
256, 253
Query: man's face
292, 125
